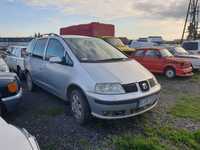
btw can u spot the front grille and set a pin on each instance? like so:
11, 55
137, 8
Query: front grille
130, 88
152, 82
144, 86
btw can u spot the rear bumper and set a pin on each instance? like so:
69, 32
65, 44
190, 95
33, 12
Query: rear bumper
185, 72
11, 102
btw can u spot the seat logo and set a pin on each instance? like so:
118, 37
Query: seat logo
144, 86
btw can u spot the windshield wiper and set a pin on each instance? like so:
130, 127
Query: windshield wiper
113, 59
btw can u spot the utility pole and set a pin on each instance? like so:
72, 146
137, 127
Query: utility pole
192, 21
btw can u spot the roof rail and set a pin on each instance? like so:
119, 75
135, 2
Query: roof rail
48, 34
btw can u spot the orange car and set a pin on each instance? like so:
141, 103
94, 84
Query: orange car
159, 60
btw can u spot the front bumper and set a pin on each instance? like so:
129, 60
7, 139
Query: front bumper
123, 106
185, 72
11, 102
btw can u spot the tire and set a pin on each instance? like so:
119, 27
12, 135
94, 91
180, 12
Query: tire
1, 110
170, 72
20, 73
29, 83
79, 107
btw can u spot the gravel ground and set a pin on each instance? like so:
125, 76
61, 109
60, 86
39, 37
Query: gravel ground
48, 118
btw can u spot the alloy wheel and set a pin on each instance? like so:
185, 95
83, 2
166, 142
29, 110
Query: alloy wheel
76, 106
170, 73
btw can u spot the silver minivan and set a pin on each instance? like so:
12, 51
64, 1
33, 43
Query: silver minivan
96, 78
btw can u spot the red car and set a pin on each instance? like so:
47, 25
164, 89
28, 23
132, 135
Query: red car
162, 61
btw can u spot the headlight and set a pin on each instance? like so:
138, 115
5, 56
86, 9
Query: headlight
33, 143
109, 88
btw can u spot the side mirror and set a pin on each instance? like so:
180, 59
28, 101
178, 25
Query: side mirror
55, 60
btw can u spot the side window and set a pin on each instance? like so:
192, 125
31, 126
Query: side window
152, 53
39, 48
54, 49
139, 53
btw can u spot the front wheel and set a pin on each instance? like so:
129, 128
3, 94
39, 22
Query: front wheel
170, 73
79, 106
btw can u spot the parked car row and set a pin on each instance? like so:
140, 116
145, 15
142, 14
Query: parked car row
10, 94
160, 60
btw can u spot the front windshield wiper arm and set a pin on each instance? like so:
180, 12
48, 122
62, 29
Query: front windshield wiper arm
113, 59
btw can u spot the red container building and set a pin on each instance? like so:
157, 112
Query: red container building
93, 29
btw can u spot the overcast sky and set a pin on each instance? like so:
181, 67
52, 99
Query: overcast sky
132, 18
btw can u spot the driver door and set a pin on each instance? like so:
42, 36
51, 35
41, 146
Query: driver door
58, 74
153, 61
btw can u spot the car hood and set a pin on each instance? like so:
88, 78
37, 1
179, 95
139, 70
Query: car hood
12, 138
123, 72
8, 75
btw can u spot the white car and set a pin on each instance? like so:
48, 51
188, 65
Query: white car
141, 43
180, 52
193, 47
13, 138
15, 59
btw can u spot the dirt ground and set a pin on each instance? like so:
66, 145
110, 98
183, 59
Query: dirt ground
48, 118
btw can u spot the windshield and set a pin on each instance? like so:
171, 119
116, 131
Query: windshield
181, 50
114, 41
93, 50
165, 53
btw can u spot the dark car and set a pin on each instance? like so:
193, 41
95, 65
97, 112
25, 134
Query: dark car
10, 89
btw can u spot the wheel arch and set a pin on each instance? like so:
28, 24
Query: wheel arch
72, 87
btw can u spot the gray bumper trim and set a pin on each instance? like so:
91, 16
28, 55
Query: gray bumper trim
17, 96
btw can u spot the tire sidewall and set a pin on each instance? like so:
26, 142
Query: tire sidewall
29, 82
85, 114
168, 70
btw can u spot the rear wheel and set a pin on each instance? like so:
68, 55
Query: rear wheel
79, 106
29, 82
170, 73
20, 73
